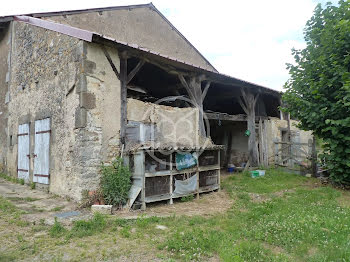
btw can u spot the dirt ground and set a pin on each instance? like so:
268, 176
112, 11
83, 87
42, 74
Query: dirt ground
207, 204
40, 206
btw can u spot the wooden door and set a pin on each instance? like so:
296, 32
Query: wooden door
42, 151
23, 152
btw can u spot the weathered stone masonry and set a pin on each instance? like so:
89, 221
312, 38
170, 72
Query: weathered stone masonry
70, 81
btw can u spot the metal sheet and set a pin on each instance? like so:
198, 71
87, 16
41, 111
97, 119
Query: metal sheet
42, 151
23, 152
60, 28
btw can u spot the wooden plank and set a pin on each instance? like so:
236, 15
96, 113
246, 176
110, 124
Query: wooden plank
314, 157
289, 139
123, 96
222, 116
229, 149
143, 191
197, 172
219, 171
171, 180
205, 90
23, 150
265, 143
261, 145
42, 151
134, 71
289, 143
248, 105
187, 87
110, 61
276, 151
227, 117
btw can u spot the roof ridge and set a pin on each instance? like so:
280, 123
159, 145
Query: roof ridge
86, 10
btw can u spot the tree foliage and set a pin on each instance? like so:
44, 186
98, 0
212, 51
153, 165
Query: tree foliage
318, 92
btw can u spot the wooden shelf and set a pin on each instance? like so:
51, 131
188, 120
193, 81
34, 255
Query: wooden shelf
177, 172
143, 177
163, 197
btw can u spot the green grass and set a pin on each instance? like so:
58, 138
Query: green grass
57, 230
83, 228
23, 199
11, 178
278, 217
57, 209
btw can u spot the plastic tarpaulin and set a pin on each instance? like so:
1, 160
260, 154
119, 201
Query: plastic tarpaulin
184, 161
183, 187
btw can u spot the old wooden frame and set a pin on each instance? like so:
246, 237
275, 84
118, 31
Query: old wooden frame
140, 175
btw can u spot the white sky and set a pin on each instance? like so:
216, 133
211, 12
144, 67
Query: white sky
251, 40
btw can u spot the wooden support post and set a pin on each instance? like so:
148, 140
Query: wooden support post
125, 78
265, 144
314, 157
123, 95
110, 61
171, 180
197, 172
290, 162
194, 90
139, 175
276, 151
135, 71
219, 172
248, 105
261, 145
229, 148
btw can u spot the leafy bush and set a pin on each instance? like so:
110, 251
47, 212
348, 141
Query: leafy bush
115, 182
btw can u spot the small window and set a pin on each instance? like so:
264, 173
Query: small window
11, 140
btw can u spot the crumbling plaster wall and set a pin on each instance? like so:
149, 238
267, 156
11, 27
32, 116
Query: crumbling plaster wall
274, 126
173, 125
45, 82
142, 26
5, 58
99, 139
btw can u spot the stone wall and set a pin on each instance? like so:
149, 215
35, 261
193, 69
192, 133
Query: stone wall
45, 82
274, 129
5, 58
98, 141
142, 26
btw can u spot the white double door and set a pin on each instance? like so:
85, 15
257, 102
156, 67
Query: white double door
41, 155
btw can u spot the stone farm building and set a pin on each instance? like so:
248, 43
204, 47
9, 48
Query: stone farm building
79, 87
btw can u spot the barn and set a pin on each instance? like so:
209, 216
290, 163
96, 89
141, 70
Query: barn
80, 87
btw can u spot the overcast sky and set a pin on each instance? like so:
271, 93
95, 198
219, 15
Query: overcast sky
251, 40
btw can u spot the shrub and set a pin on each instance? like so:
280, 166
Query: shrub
115, 182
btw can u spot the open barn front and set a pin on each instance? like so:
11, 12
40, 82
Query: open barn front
232, 136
